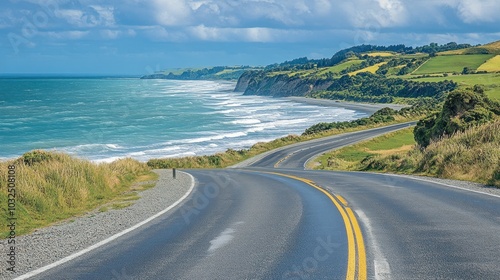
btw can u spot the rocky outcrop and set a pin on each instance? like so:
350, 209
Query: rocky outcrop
243, 81
259, 83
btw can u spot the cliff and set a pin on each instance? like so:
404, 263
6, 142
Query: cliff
244, 80
259, 83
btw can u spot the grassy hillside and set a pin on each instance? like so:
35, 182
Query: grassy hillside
452, 63
426, 66
337, 68
462, 141
51, 187
372, 69
491, 48
384, 54
472, 155
492, 65
489, 81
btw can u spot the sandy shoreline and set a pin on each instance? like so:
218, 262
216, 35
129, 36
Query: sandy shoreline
367, 108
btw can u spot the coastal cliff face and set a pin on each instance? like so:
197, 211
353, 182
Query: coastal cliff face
244, 80
258, 83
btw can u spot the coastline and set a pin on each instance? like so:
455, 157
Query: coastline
366, 108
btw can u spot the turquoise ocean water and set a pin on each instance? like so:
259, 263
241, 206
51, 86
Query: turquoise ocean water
103, 119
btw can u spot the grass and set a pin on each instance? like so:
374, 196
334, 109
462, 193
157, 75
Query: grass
472, 155
350, 157
318, 72
371, 69
382, 54
52, 187
490, 82
493, 48
492, 65
121, 205
452, 63
339, 67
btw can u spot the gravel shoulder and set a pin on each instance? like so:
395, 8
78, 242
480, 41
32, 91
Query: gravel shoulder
53, 243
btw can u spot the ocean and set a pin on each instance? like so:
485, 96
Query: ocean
104, 119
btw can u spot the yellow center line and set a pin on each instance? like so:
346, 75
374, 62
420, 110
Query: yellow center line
360, 244
342, 200
277, 164
349, 225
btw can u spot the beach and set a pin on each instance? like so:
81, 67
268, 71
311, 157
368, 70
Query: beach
366, 108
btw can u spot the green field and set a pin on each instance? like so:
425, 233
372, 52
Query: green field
339, 67
490, 82
452, 63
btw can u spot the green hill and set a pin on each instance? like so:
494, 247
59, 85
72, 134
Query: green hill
212, 73
491, 48
431, 72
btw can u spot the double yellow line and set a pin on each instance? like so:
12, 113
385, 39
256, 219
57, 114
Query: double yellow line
356, 252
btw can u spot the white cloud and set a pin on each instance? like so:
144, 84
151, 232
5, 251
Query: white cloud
478, 10
375, 13
172, 12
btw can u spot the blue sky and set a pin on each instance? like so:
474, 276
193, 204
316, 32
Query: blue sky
141, 36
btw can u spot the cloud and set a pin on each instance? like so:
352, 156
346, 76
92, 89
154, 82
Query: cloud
91, 16
478, 10
172, 12
254, 34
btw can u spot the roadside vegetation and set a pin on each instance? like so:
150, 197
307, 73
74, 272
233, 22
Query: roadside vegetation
462, 142
52, 187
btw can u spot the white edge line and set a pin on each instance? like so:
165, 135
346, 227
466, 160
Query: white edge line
416, 178
109, 239
439, 183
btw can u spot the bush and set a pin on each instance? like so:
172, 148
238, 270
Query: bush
461, 110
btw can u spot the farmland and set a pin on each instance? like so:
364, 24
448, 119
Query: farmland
490, 82
492, 65
371, 69
452, 63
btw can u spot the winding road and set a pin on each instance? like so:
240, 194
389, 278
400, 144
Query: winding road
268, 218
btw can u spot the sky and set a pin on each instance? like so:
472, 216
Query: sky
138, 37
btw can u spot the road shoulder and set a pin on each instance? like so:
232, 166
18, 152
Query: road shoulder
53, 243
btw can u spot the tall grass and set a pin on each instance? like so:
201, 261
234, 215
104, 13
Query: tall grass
472, 155
54, 186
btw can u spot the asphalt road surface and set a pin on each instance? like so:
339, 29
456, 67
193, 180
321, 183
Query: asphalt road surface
274, 220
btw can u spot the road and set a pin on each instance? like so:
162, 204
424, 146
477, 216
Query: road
274, 220
296, 155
